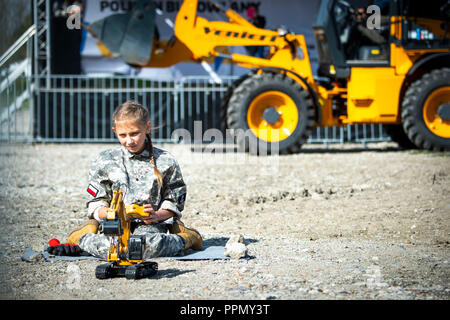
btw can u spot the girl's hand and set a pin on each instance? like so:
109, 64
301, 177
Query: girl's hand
156, 216
152, 216
148, 208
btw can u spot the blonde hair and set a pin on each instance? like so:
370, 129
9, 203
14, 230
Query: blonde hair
133, 110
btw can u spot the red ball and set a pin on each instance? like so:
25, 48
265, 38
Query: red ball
53, 242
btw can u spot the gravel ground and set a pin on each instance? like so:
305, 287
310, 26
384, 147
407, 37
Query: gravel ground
337, 223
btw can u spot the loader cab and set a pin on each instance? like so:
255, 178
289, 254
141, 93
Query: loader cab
346, 37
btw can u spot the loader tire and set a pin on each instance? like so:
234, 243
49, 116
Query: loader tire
425, 111
270, 113
226, 98
398, 135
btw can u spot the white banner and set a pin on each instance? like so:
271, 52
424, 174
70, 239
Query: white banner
295, 15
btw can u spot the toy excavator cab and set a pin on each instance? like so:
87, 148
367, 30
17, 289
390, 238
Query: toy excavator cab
126, 251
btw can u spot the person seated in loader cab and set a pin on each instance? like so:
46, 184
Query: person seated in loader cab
357, 32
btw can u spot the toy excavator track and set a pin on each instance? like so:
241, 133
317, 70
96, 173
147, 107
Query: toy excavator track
132, 272
141, 270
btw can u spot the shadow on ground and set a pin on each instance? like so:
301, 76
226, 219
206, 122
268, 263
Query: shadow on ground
222, 241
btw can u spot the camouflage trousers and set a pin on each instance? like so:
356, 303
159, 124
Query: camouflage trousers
158, 242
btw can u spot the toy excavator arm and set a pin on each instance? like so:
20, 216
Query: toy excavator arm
116, 225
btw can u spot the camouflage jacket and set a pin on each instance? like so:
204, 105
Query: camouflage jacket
133, 174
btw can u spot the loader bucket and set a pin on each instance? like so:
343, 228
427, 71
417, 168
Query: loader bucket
128, 36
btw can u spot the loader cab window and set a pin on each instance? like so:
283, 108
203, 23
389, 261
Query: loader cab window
363, 34
343, 38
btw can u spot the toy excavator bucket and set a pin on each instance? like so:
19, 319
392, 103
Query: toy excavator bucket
128, 36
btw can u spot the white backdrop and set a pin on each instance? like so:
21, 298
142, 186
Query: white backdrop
297, 15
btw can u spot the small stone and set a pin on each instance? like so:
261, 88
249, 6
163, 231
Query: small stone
36, 257
235, 250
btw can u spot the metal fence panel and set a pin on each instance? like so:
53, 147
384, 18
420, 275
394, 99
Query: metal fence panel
15, 111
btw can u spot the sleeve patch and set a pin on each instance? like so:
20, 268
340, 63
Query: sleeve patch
92, 190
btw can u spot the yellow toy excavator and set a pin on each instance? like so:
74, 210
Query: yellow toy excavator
394, 71
125, 258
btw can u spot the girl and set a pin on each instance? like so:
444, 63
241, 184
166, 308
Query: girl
145, 174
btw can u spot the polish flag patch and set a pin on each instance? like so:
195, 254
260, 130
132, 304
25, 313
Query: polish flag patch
92, 190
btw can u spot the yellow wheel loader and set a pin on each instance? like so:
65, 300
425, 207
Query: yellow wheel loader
388, 65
